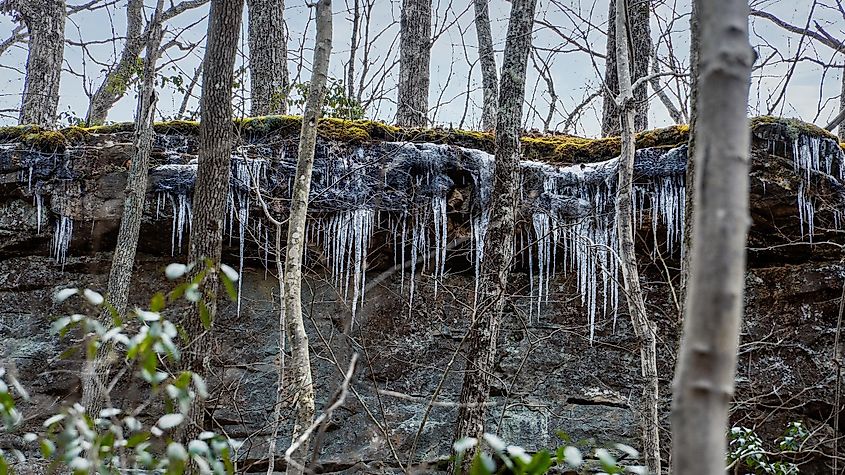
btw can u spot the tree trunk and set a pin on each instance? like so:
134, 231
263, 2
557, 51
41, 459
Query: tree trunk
117, 80
414, 59
487, 58
45, 20
643, 328
212, 185
120, 277
842, 108
120, 75
639, 45
704, 378
353, 48
302, 385
268, 57
499, 240
689, 189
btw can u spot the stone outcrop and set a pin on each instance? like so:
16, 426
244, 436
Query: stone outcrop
568, 361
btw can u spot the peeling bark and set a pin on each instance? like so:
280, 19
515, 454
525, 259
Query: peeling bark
704, 378
268, 57
414, 63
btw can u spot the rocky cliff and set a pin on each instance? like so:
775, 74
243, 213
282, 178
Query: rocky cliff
394, 236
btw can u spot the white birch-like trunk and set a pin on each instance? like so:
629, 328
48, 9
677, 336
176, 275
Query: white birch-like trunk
644, 329
302, 385
704, 376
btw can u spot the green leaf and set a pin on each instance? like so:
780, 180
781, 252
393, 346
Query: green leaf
137, 439
157, 302
482, 464
229, 285
205, 315
540, 463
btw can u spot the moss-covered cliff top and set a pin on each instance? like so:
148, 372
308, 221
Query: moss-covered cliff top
552, 148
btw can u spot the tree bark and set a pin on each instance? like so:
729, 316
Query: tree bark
212, 184
704, 378
639, 45
45, 20
268, 57
842, 108
120, 74
487, 58
689, 189
414, 63
120, 277
644, 329
499, 240
302, 384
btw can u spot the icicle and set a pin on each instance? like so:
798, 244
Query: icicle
181, 205
62, 238
347, 238
39, 207
438, 212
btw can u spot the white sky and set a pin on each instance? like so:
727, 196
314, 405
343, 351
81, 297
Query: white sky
811, 94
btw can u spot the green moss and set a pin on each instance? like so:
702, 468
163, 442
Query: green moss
552, 148
794, 127
47, 141
75, 135
111, 128
15, 133
181, 127
567, 149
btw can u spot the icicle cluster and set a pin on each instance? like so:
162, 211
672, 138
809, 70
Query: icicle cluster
62, 238
404, 189
812, 155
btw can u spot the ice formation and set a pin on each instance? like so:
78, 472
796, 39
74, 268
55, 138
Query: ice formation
811, 156
405, 190
62, 238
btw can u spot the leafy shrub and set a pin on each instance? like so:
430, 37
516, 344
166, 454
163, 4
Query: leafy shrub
118, 440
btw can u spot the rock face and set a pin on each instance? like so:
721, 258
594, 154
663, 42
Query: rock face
394, 243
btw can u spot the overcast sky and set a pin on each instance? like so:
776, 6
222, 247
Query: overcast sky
811, 94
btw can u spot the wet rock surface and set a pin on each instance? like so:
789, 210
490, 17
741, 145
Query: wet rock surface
557, 372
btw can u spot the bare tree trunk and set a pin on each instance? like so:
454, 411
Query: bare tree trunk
639, 45
353, 48
212, 185
117, 79
842, 108
268, 57
488, 64
644, 329
689, 189
45, 20
414, 59
120, 277
498, 243
302, 385
704, 377
120, 74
